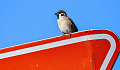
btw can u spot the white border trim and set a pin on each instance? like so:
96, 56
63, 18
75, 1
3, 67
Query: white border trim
65, 42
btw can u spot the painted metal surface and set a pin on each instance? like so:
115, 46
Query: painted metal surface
86, 50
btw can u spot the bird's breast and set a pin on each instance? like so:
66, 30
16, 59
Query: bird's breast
64, 26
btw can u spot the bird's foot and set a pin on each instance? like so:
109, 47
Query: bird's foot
70, 34
63, 35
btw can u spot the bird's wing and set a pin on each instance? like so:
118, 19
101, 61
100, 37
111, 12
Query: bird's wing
73, 26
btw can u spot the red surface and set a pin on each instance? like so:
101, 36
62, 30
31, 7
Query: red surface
68, 57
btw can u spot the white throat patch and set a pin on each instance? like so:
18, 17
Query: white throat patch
61, 17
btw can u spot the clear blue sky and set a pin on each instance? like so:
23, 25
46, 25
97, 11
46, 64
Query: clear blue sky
23, 21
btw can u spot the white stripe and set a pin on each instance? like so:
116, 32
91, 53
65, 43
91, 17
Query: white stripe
110, 52
65, 42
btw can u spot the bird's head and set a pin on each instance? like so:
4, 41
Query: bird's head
61, 14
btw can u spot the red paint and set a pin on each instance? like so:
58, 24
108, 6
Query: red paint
68, 57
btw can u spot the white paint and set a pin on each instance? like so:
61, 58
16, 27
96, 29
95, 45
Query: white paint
65, 42
110, 52
37, 65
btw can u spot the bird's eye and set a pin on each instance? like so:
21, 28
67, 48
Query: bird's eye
62, 14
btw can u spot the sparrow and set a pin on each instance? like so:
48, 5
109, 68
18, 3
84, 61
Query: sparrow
65, 24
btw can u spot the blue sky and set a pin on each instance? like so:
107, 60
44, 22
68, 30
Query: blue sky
23, 21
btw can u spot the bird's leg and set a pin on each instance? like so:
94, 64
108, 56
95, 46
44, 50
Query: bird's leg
63, 35
70, 34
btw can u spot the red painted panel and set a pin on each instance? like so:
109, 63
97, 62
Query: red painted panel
83, 55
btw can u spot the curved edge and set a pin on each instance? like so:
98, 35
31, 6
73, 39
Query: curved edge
65, 42
111, 50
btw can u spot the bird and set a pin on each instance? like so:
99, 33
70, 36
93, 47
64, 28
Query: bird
65, 24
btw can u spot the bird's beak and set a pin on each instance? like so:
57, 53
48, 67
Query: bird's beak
55, 13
